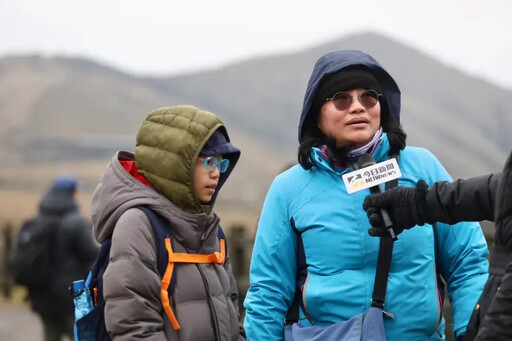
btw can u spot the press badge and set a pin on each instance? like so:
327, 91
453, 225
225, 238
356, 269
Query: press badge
370, 176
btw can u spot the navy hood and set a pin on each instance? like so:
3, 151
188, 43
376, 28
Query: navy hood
219, 144
338, 60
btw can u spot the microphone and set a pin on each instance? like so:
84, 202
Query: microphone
367, 160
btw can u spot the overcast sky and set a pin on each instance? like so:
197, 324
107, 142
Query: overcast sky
169, 36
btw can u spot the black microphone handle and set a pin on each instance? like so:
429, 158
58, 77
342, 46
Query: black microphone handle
388, 223
366, 160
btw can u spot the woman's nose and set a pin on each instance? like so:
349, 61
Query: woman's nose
356, 104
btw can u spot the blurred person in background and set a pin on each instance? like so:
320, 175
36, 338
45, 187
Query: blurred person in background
486, 197
54, 248
352, 107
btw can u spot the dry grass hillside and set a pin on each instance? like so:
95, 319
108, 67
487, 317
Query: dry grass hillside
70, 114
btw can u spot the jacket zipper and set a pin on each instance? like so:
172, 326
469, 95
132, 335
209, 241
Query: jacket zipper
210, 304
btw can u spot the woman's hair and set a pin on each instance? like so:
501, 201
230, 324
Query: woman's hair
313, 137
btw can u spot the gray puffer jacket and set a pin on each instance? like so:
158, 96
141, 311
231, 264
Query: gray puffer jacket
205, 300
161, 177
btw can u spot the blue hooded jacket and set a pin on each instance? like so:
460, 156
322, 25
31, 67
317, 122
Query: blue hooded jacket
341, 257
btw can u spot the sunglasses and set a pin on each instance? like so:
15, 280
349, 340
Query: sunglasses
211, 163
343, 100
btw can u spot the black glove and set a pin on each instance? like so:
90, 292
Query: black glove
407, 207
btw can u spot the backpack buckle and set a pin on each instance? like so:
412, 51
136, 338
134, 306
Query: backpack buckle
377, 303
219, 257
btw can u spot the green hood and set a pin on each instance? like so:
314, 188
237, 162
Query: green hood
168, 144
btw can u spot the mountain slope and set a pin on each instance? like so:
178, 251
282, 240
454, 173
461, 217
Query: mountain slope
461, 119
73, 109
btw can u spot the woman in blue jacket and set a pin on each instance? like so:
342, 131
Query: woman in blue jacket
352, 107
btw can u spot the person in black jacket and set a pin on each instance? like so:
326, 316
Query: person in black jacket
72, 255
487, 197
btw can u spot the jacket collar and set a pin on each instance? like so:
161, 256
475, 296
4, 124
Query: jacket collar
320, 159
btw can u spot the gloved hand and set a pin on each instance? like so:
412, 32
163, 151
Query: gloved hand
407, 207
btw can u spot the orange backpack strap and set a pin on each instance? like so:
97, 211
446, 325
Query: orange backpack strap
164, 293
216, 257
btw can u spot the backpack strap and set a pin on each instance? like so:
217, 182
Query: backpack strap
166, 258
222, 236
94, 280
383, 264
384, 261
216, 257
439, 279
161, 230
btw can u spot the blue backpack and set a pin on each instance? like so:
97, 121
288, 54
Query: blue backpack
88, 294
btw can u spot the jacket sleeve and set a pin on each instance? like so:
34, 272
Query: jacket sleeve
85, 246
463, 200
133, 310
461, 260
273, 270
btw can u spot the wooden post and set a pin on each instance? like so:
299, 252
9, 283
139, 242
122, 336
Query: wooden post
7, 243
237, 251
240, 249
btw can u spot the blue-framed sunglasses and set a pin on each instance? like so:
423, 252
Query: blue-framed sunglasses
211, 162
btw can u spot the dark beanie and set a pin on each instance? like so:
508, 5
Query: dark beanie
345, 80
217, 144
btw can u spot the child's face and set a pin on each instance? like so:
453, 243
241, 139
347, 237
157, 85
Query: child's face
205, 180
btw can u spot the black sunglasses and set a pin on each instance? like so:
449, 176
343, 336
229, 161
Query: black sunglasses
342, 100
